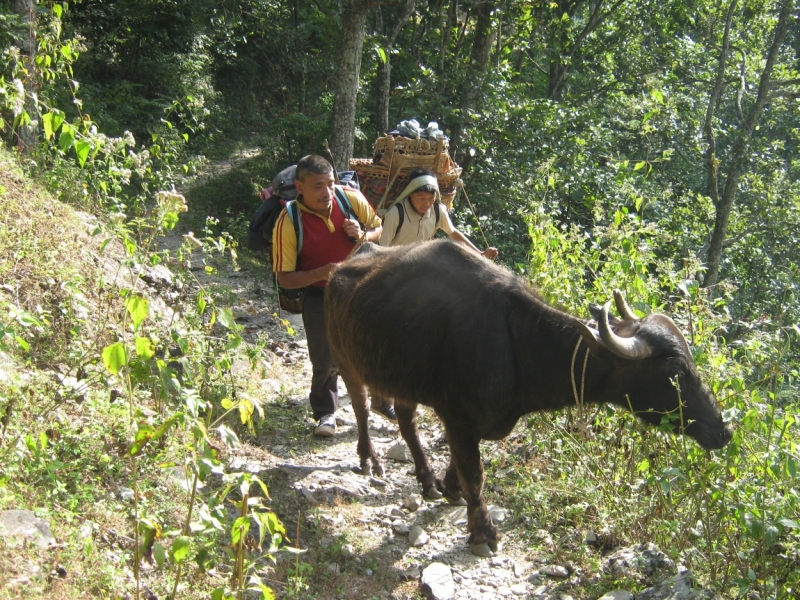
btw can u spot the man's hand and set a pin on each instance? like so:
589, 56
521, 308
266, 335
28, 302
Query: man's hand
297, 279
490, 253
352, 229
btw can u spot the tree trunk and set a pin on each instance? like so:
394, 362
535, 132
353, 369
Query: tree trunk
739, 152
444, 43
384, 83
384, 76
476, 72
562, 52
28, 132
354, 19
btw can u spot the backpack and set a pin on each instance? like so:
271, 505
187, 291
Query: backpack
259, 232
401, 215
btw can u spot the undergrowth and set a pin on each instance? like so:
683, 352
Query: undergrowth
117, 409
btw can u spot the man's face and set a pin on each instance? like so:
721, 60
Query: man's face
317, 191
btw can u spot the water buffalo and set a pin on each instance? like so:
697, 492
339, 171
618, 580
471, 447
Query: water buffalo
437, 324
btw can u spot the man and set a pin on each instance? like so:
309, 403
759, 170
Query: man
328, 236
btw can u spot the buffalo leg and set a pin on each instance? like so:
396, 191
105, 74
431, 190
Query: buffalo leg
452, 486
465, 455
365, 449
407, 421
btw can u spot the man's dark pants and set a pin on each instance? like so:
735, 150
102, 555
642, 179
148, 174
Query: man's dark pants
324, 396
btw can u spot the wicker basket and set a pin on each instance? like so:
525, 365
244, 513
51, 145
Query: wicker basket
392, 161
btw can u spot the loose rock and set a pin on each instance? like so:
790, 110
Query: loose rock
399, 452
413, 502
555, 571
437, 582
25, 524
680, 587
417, 536
617, 595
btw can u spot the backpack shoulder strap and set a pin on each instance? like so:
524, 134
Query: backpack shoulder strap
437, 210
401, 216
294, 214
344, 204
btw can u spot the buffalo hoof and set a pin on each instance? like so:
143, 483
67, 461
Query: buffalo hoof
366, 469
378, 470
482, 550
457, 501
432, 494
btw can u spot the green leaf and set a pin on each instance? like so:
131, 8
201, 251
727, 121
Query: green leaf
47, 123
138, 308
639, 165
201, 303
67, 138
160, 554
58, 10
239, 530
382, 55
789, 523
180, 548
225, 317
114, 357
147, 434
144, 348
82, 148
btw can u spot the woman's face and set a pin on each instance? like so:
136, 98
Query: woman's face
422, 201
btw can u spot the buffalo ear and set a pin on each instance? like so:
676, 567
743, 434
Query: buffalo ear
591, 336
597, 310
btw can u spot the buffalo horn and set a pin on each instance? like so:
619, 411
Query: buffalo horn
622, 307
632, 348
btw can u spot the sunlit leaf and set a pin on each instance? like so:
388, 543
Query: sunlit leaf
144, 348
180, 548
138, 309
160, 554
114, 357
82, 149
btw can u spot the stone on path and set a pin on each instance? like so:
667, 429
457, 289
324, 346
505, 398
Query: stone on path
555, 571
645, 559
412, 502
617, 595
680, 587
418, 536
437, 582
320, 487
23, 523
399, 452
